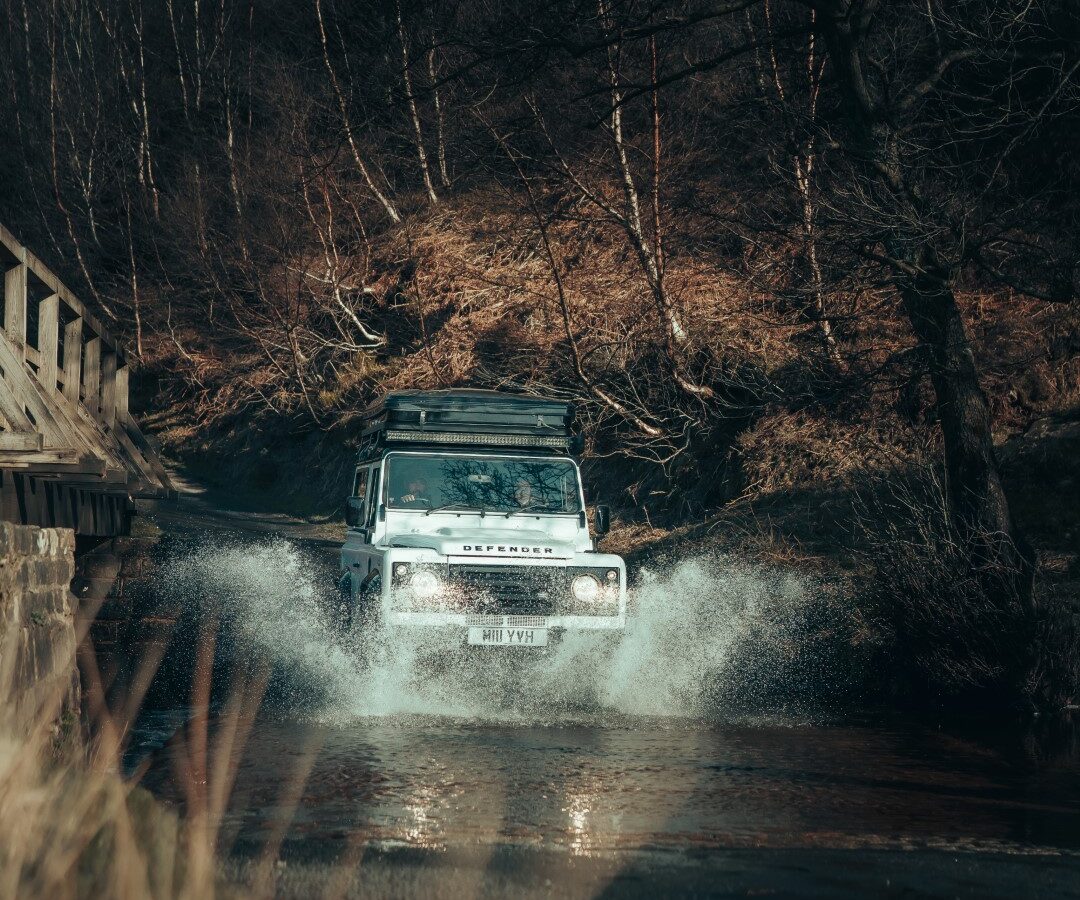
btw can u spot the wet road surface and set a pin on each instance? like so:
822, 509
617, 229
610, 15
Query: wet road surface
718, 809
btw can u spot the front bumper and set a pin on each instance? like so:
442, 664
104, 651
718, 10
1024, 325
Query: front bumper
495, 594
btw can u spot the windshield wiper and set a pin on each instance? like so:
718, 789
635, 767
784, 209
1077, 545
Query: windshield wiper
530, 508
462, 506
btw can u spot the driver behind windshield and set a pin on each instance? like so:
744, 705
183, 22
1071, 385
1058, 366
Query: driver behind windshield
415, 494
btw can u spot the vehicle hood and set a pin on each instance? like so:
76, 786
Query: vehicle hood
523, 544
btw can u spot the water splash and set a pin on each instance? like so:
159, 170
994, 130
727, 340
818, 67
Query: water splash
705, 635
695, 627
270, 602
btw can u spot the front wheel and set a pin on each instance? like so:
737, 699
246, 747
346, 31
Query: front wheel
367, 609
343, 616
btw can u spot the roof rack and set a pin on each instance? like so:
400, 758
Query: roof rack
466, 418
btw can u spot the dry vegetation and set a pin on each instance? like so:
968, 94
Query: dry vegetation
74, 821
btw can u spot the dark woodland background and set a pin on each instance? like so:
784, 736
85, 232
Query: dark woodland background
806, 263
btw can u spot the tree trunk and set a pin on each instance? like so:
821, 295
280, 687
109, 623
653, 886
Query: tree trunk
976, 498
1001, 561
414, 111
974, 489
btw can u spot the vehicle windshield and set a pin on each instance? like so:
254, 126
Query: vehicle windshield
471, 482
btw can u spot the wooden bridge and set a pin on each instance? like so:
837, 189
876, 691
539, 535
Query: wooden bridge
71, 456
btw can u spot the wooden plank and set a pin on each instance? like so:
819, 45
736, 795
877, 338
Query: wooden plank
48, 336
86, 465
100, 440
138, 459
8, 240
142, 442
10, 407
73, 360
122, 391
71, 301
96, 438
108, 390
51, 458
15, 305
14, 440
91, 393
49, 419
84, 473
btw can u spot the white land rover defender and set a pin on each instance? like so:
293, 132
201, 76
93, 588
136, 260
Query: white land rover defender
467, 517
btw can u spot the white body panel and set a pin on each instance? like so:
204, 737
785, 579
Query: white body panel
547, 548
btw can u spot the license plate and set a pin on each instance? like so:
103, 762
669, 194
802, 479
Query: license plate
501, 636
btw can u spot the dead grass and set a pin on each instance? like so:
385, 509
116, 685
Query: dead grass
962, 626
464, 296
72, 827
789, 449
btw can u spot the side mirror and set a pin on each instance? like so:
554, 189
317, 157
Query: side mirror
602, 519
354, 512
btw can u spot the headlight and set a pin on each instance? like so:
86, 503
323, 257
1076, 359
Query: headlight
585, 588
425, 585
612, 576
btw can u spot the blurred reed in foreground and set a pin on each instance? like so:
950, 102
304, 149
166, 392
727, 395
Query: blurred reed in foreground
74, 824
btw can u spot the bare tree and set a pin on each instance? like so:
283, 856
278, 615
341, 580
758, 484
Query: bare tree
440, 124
904, 222
636, 417
801, 134
343, 108
414, 112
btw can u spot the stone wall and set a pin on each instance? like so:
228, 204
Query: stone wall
39, 678
128, 631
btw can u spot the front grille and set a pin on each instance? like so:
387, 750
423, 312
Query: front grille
513, 590
487, 621
526, 621
508, 621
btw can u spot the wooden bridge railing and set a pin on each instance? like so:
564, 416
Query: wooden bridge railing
64, 387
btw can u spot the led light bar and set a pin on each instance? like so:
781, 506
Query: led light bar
455, 437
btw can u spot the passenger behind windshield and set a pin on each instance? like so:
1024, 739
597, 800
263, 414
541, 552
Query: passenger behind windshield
523, 495
431, 483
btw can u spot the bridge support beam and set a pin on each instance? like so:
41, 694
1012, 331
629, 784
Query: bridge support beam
89, 509
108, 390
92, 376
73, 360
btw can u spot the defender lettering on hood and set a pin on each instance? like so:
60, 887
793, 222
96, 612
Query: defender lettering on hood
472, 542
506, 548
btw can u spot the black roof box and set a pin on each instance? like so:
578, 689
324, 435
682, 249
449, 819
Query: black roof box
470, 418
